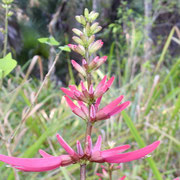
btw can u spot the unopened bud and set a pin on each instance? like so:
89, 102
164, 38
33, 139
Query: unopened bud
83, 20
93, 16
91, 39
77, 31
78, 68
10, 13
78, 19
95, 46
83, 38
94, 26
77, 40
93, 63
97, 29
80, 49
7, 1
88, 30
86, 13
92, 112
72, 46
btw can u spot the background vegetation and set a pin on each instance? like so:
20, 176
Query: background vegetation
142, 41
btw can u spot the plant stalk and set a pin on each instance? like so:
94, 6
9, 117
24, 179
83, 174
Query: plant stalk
83, 172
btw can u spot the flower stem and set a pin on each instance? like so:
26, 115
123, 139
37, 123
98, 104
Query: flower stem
110, 174
5, 32
83, 172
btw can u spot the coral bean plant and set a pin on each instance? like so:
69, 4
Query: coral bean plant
87, 108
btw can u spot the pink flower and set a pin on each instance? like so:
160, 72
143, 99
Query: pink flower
97, 114
92, 154
91, 94
177, 178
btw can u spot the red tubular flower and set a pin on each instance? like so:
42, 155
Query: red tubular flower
92, 154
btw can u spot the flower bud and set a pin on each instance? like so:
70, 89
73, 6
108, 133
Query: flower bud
72, 46
83, 20
93, 63
94, 26
95, 46
78, 19
93, 16
83, 38
78, 68
77, 40
88, 30
91, 39
80, 49
77, 31
97, 29
86, 13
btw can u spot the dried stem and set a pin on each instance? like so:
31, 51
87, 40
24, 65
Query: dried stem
37, 94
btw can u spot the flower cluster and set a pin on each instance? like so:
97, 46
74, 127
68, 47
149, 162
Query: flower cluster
88, 108
91, 154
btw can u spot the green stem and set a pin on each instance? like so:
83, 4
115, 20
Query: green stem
5, 32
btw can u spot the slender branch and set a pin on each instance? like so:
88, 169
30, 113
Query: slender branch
5, 32
37, 94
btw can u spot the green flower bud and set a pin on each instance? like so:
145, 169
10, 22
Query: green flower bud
97, 29
94, 26
78, 19
83, 20
88, 30
10, 13
7, 1
86, 13
91, 39
93, 16
77, 31
77, 40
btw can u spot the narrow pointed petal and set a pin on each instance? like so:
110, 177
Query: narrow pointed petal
67, 92
73, 88
97, 146
70, 103
44, 154
119, 108
32, 164
111, 106
75, 109
98, 101
84, 108
131, 156
66, 147
109, 82
79, 149
102, 82
115, 150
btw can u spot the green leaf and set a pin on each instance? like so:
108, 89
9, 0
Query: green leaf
7, 64
65, 48
49, 40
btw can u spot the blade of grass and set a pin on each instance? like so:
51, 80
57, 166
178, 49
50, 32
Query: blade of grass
165, 49
141, 144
